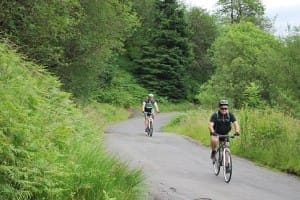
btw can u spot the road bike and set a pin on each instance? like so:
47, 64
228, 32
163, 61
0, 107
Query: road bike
223, 158
149, 128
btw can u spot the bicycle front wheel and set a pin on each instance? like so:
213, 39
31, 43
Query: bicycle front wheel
217, 162
227, 165
150, 128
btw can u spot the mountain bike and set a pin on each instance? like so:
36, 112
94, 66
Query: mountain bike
223, 158
149, 129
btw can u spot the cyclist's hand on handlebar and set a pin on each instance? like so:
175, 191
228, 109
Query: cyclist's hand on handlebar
236, 134
214, 134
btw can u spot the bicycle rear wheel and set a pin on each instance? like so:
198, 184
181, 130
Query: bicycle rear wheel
227, 165
217, 162
151, 128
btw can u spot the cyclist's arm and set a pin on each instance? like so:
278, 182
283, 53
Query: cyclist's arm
235, 123
156, 107
211, 123
211, 127
143, 106
236, 126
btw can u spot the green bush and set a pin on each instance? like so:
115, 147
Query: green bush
48, 148
252, 96
123, 91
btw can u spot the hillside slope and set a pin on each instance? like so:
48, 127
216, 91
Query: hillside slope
48, 148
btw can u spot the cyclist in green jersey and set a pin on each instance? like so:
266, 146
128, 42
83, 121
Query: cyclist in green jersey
149, 106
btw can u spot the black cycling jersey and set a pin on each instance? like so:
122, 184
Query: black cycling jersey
222, 123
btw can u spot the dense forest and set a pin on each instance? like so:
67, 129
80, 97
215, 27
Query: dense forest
56, 52
115, 51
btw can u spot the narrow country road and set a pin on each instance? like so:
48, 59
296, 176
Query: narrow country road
177, 168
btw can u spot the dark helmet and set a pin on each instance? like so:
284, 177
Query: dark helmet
223, 102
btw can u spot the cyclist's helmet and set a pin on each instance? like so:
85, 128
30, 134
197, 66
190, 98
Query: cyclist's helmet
223, 103
150, 95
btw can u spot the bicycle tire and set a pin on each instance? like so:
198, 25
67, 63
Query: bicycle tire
151, 128
217, 162
227, 165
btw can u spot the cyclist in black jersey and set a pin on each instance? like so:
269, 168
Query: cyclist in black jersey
220, 124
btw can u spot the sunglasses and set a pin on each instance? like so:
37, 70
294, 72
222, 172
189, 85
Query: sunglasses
224, 108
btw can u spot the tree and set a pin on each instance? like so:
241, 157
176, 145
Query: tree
245, 10
76, 40
41, 28
203, 33
141, 36
102, 34
291, 71
244, 56
287, 76
165, 58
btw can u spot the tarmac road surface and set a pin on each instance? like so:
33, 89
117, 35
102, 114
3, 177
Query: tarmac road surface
178, 168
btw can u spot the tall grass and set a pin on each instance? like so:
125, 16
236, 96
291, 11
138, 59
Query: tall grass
104, 114
49, 149
98, 176
268, 137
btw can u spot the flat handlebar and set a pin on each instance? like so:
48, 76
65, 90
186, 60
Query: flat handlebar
150, 112
226, 136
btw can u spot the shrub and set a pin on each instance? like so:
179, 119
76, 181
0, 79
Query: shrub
48, 148
270, 138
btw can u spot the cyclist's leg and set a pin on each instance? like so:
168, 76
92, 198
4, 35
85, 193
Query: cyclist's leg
213, 144
152, 116
152, 113
227, 156
146, 120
